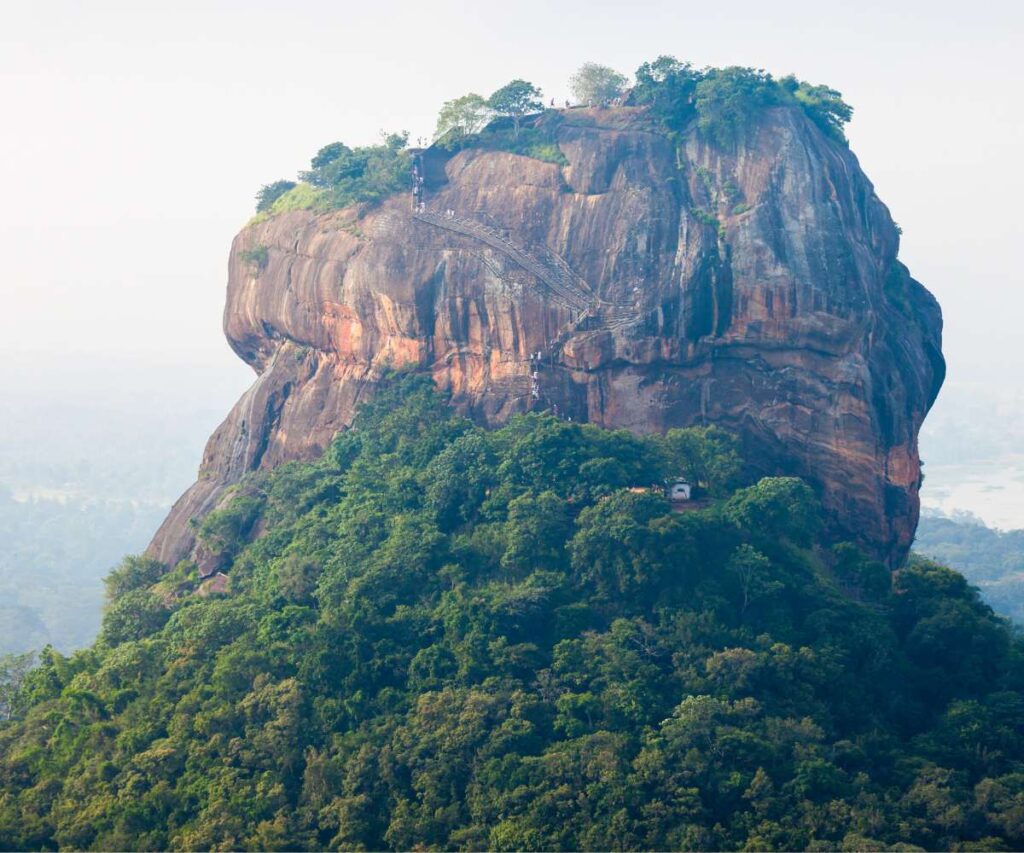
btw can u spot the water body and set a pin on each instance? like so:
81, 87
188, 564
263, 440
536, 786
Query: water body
991, 489
973, 447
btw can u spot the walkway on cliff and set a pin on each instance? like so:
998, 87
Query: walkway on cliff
562, 283
565, 287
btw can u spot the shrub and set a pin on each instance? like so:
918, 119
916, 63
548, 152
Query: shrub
269, 193
824, 106
134, 615
133, 573
704, 217
350, 175
255, 257
300, 197
539, 142
226, 528
530, 143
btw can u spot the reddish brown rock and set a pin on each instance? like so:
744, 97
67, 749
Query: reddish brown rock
758, 289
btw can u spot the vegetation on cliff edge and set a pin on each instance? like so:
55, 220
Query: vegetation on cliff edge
725, 102
443, 637
722, 103
339, 176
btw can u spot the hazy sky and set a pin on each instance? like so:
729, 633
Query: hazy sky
135, 135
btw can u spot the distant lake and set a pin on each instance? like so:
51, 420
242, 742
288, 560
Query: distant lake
991, 489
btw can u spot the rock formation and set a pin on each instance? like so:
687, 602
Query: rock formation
663, 284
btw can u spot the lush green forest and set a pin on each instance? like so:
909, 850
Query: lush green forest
993, 560
439, 636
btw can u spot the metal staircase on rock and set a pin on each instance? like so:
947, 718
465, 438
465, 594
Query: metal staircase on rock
563, 285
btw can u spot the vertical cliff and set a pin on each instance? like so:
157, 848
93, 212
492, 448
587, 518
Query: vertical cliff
664, 283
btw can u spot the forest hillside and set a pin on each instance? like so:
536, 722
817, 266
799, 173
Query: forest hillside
445, 636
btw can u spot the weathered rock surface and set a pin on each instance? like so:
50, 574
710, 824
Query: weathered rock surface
757, 289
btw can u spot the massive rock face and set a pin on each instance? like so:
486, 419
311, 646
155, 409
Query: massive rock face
663, 285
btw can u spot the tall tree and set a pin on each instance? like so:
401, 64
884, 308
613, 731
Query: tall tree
13, 669
269, 193
461, 117
597, 83
728, 99
667, 87
515, 100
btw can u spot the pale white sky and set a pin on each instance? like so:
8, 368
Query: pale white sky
135, 134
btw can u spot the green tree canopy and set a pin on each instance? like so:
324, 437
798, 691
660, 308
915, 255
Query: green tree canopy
727, 101
776, 506
515, 100
593, 83
441, 636
706, 456
13, 670
461, 117
666, 86
133, 573
824, 106
349, 175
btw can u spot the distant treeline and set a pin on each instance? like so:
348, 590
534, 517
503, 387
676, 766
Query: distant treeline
993, 560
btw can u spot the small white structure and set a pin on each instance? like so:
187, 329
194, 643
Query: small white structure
679, 490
